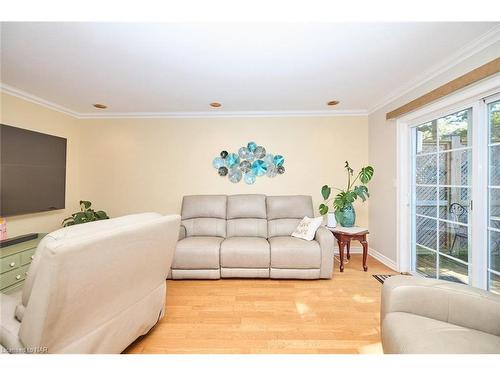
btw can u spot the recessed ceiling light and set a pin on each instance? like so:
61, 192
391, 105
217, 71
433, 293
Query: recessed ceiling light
100, 106
215, 105
333, 102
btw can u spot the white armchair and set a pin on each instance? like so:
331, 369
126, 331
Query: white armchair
428, 316
94, 288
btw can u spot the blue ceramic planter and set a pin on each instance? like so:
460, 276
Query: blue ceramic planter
346, 217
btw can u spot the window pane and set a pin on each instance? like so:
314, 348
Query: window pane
442, 188
494, 208
494, 197
452, 270
454, 203
494, 262
426, 262
494, 283
454, 240
426, 200
426, 169
426, 232
494, 117
454, 130
495, 165
454, 168
426, 138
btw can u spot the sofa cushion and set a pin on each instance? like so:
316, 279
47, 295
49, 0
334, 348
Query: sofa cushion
247, 228
281, 227
245, 252
289, 207
197, 253
246, 206
213, 206
205, 226
413, 334
292, 252
285, 212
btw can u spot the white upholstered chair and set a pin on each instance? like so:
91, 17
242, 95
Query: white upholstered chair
429, 316
92, 288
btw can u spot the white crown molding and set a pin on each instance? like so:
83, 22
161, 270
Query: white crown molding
36, 99
221, 114
470, 49
202, 114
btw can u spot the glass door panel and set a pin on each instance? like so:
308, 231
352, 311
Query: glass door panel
494, 197
441, 190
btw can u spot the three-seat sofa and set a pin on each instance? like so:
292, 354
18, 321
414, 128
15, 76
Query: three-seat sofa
249, 236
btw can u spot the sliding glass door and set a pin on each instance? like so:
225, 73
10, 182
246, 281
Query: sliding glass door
441, 197
449, 189
493, 108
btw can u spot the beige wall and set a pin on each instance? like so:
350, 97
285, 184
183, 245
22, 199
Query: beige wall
383, 156
134, 165
138, 165
24, 114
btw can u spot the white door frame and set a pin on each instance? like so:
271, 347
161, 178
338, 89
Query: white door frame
469, 97
485, 104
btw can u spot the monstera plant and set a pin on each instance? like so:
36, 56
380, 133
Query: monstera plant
86, 215
342, 202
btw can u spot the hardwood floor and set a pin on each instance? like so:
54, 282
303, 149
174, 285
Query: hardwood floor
272, 316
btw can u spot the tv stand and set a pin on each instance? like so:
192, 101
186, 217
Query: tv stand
15, 260
18, 239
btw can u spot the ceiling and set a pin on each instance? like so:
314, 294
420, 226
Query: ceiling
178, 69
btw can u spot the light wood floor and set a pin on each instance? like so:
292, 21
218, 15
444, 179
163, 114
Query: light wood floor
272, 316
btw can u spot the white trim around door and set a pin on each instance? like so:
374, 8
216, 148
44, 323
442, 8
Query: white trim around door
472, 97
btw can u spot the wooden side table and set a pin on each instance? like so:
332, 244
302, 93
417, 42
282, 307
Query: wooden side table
344, 237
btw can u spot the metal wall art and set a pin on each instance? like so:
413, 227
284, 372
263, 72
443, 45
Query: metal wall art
250, 162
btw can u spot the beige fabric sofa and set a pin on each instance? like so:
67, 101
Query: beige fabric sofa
249, 236
428, 316
92, 288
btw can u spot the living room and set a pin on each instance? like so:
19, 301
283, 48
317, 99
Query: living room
249, 188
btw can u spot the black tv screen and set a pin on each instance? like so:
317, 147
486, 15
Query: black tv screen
32, 171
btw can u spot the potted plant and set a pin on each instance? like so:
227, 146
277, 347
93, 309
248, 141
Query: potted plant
85, 215
342, 202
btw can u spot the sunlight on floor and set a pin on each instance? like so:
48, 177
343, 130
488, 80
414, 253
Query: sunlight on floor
302, 308
372, 349
362, 299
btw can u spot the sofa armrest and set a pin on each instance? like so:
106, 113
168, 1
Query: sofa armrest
446, 301
182, 232
325, 239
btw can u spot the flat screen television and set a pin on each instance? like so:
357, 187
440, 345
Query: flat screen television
32, 171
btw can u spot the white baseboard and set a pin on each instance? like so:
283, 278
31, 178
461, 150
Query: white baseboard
371, 252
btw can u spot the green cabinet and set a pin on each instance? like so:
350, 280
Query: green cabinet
15, 262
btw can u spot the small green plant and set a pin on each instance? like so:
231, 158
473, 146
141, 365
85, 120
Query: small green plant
352, 192
86, 215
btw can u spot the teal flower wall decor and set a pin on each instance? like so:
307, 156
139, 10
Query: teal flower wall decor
250, 162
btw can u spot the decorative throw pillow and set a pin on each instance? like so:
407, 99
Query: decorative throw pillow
307, 228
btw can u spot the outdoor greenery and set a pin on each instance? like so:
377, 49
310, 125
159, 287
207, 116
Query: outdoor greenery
456, 124
495, 123
86, 215
352, 191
